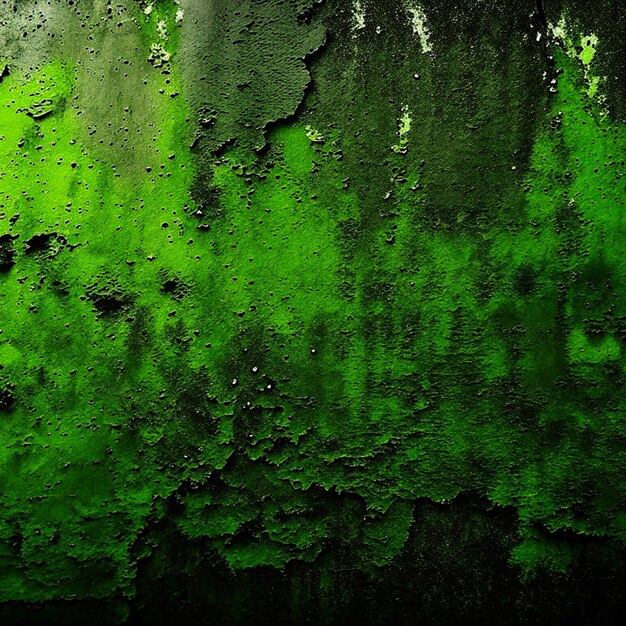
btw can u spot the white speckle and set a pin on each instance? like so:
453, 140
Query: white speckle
358, 15
148, 9
559, 31
313, 135
235, 381
180, 14
418, 22
404, 127
162, 30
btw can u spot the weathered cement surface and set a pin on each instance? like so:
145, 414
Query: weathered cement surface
305, 302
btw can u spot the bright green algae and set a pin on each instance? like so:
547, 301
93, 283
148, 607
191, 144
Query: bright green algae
271, 334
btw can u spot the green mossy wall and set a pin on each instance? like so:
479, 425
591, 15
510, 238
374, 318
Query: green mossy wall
312, 312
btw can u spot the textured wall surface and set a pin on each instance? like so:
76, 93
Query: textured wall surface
312, 312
